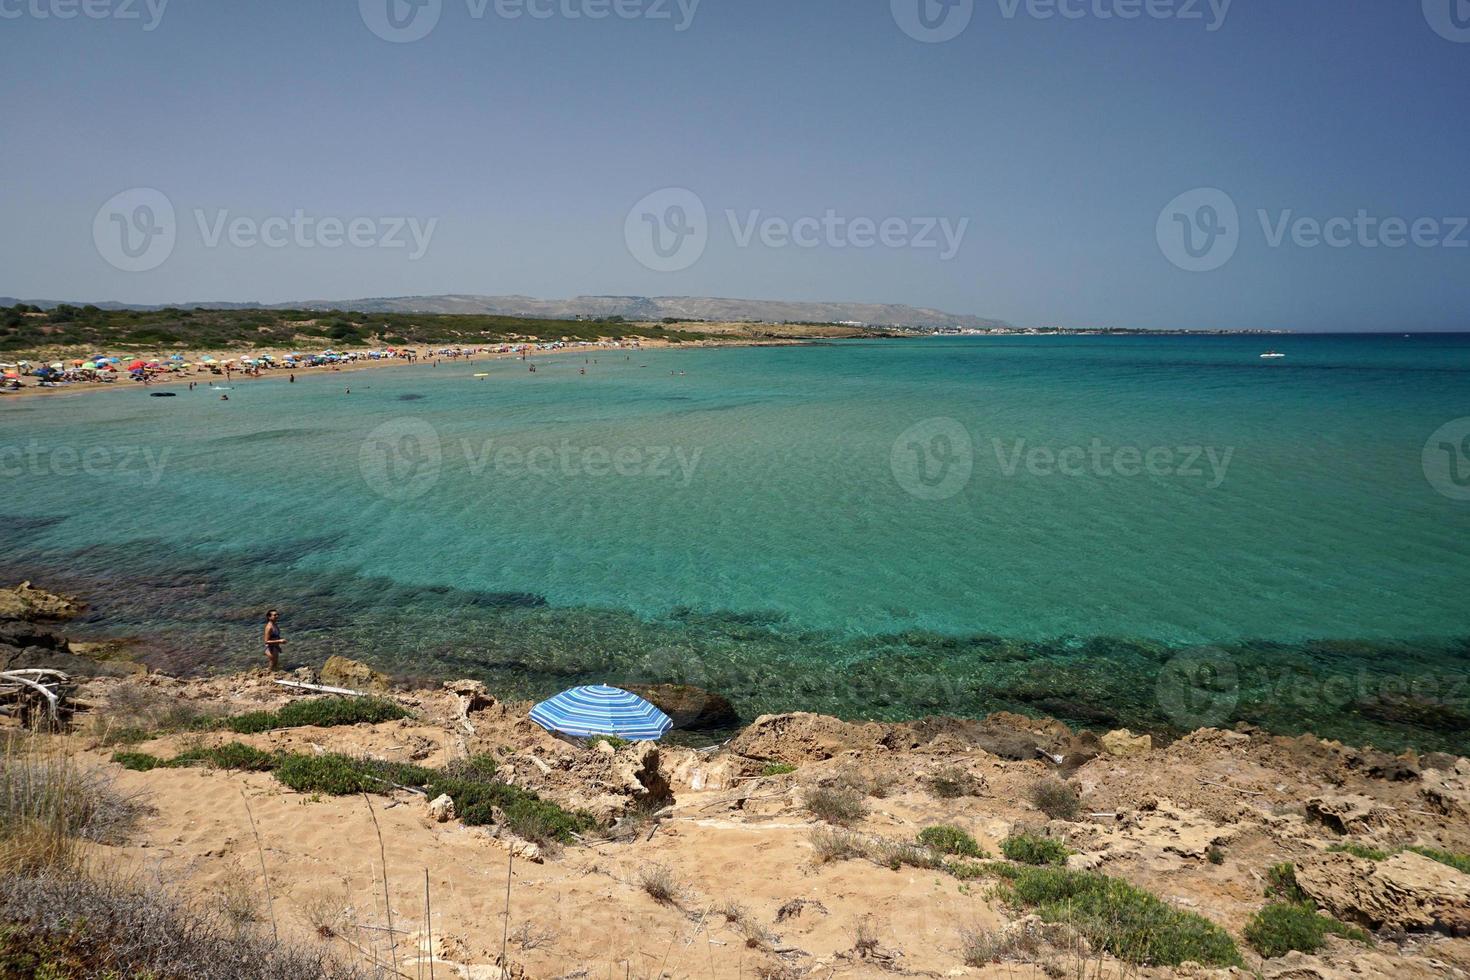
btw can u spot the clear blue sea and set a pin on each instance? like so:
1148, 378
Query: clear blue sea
876, 529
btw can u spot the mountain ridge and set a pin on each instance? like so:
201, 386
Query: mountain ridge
710, 308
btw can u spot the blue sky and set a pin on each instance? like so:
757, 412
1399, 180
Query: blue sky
519, 145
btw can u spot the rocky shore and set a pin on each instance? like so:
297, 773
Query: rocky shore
804, 846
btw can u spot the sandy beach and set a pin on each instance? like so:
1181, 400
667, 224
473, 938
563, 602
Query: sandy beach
31, 389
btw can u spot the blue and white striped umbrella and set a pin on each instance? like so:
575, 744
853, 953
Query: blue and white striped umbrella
601, 710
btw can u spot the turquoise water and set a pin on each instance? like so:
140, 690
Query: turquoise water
872, 528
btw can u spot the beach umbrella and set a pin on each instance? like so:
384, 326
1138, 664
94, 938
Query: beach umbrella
601, 710
89, 366
58, 366
11, 374
137, 365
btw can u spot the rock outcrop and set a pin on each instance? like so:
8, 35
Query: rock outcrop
341, 672
1349, 814
1406, 892
1123, 743
26, 603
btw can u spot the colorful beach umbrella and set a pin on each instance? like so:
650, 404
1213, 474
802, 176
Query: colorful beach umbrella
601, 710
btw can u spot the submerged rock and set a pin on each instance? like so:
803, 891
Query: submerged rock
689, 706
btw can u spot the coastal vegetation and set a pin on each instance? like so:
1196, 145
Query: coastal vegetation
951, 840
26, 329
1055, 798
1122, 919
319, 712
836, 805
1034, 849
1283, 927
480, 798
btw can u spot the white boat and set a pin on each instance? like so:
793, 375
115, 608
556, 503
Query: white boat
1271, 354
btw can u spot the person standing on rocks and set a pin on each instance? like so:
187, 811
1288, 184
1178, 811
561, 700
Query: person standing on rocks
273, 640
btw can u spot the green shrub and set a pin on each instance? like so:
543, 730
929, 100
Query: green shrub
970, 870
339, 775
778, 769
1281, 883
137, 761
1282, 927
480, 768
320, 712
525, 813
1033, 849
1126, 921
951, 840
233, 755
1055, 798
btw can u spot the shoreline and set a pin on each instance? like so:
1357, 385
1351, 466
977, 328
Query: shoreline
1106, 685
910, 836
30, 391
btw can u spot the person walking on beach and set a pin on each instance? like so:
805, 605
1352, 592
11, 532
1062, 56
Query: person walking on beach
273, 640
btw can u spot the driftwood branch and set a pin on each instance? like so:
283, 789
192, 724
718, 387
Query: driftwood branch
320, 689
24, 685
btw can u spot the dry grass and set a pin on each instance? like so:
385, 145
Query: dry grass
1020, 943
62, 924
326, 914
50, 805
1055, 798
756, 936
836, 805
864, 937
876, 785
659, 882
529, 937
952, 783
237, 900
836, 845
832, 844
135, 713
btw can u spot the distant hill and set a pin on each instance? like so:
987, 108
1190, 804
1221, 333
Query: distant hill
651, 308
